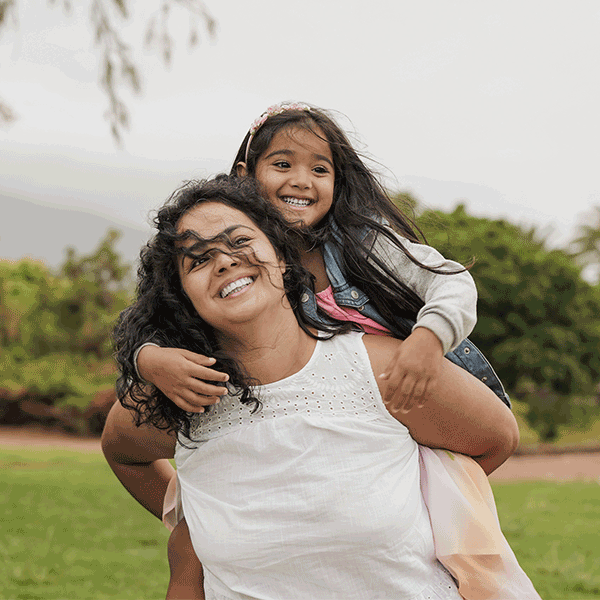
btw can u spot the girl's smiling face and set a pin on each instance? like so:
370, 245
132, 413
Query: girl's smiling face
297, 175
230, 272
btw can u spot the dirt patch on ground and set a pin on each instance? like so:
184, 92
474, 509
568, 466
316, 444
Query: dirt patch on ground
41, 437
557, 467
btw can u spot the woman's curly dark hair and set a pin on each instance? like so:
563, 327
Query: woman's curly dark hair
162, 312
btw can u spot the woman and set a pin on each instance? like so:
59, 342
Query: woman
299, 483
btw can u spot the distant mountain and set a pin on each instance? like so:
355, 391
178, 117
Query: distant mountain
44, 231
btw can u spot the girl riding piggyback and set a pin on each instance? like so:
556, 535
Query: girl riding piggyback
368, 264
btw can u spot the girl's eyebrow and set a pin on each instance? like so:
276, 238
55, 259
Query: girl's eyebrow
286, 152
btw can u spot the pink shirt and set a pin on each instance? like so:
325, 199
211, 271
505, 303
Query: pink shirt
327, 302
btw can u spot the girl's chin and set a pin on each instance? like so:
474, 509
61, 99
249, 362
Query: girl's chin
296, 219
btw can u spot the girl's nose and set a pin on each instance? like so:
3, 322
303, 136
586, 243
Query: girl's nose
300, 179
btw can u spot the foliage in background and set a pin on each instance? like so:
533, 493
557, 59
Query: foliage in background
55, 332
538, 324
586, 245
538, 319
118, 68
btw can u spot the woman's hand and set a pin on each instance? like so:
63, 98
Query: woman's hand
413, 370
182, 376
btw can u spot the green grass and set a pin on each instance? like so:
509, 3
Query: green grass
553, 529
69, 531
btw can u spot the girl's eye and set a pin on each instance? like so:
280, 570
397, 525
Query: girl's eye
282, 164
321, 170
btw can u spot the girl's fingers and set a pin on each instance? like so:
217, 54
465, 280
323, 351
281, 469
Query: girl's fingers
204, 388
183, 403
419, 393
408, 394
198, 366
199, 359
394, 398
204, 373
196, 403
407, 397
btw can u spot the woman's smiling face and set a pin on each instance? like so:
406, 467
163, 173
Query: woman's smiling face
230, 272
297, 174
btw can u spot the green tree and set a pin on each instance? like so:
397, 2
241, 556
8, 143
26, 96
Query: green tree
97, 289
56, 331
538, 319
407, 203
586, 245
118, 67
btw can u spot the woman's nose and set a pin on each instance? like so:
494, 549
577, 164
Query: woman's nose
226, 261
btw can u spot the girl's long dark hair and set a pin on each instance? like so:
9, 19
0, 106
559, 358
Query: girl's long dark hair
361, 211
163, 313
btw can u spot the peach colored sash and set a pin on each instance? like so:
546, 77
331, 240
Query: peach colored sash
172, 509
466, 531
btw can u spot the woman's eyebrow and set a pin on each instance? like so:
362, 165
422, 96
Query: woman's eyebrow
226, 233
200, 244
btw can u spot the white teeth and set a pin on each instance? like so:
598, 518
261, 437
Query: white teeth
236, 286
296, 201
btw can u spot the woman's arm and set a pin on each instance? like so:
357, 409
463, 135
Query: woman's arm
187, 575
139, 457
460, 413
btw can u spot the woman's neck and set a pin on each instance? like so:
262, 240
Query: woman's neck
270, 350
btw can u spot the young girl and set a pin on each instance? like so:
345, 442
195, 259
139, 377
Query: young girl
365, 257
304, 485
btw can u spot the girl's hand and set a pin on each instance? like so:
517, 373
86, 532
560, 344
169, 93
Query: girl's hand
412, 371
182, 376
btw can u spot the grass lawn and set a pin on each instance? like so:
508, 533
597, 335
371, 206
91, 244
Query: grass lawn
553, 529
69, 531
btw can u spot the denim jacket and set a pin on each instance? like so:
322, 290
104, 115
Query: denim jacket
465, 355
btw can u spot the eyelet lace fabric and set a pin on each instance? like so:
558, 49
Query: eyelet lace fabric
325, 387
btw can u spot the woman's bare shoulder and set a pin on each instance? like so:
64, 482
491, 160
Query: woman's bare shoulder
379, 349
122, 437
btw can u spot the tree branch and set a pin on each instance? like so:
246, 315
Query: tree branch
117, 65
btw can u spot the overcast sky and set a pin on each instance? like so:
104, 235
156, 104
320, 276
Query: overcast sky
492, 103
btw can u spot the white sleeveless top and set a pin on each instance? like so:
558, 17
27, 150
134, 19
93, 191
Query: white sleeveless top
315, 496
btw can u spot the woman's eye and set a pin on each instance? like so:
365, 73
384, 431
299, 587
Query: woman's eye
198, 261
241, 241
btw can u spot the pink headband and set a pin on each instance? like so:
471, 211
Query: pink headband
276, 109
